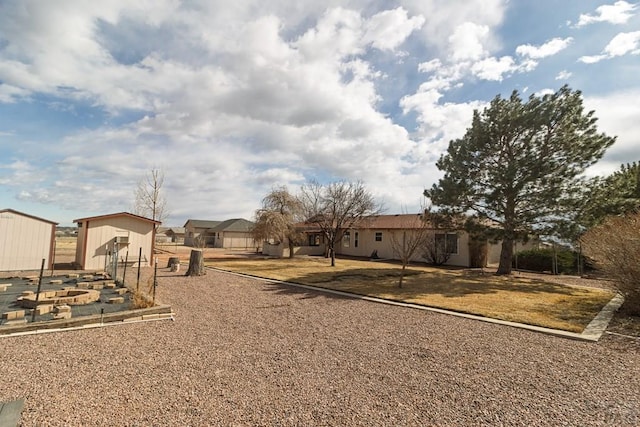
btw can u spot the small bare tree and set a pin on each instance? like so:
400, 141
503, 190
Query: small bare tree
277, 218
413, 239
336, 207
149, 199
436, 249
614, 245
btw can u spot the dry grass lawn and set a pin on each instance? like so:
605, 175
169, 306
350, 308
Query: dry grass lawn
516, 299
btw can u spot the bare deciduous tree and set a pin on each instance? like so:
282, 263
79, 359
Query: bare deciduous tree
413, 239
149, 199
336, 207
614, 245
277, 218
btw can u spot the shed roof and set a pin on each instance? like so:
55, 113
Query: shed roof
115, 215
13, 211
236, 224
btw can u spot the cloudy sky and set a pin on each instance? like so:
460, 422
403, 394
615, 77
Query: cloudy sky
232, 98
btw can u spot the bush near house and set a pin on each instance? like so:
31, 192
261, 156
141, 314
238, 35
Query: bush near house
542, 260
614, 246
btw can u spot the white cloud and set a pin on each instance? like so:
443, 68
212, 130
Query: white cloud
622, 44
549, 48
618, 13
494, 68
563, 75
592, 59
443, 19
467, 41
429, 66
389, 29
617, 115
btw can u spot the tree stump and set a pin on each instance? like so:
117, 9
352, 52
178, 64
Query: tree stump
196, 264
172, 261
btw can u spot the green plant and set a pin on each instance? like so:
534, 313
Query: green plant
543, 259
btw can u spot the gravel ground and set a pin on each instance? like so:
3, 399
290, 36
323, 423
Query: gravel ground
242, 353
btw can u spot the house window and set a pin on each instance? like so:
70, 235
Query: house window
378, 236
346, 239
314, 240
447, 242
355, 240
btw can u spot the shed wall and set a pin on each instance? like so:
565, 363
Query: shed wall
100, 234
24, 242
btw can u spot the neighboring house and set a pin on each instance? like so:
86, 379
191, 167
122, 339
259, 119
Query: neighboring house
170, 235
374, 235
233, 234
196, 232
313, 243
107, 240
161, 235
25, 240
176, 235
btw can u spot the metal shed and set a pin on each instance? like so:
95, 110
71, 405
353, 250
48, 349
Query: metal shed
105, 239
25, 240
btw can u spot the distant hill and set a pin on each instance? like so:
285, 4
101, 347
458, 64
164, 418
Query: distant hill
66, 231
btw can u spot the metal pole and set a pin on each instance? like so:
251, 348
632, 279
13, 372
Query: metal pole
53, 261
115, 261
33, 313
124, 271
139, 261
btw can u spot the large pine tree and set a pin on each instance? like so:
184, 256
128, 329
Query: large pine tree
517, 164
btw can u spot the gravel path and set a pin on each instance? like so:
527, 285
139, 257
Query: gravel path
245, 353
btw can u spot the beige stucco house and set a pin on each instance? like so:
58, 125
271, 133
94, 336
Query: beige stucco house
375, 234
196, 232
25, 240
230, 234
105, 239
233, 234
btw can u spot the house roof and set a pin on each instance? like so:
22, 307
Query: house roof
27, 215
381, 222
400, 221
236, 224
176, 230
201, 223
115, 215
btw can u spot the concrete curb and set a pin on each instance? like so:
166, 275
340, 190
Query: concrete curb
591, 333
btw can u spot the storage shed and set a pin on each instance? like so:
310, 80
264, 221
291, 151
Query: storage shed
111, 239
25, 240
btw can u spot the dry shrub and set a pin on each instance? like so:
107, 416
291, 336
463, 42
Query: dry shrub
140, 300
614, 246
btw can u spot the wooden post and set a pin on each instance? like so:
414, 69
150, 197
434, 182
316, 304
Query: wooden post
124, 271
196, 264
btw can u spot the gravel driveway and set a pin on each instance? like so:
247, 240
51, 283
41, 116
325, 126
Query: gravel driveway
243, 352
